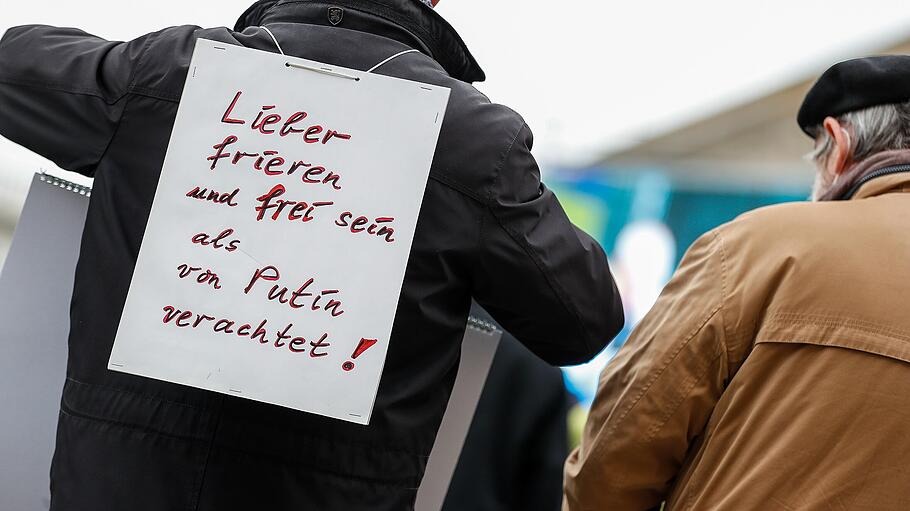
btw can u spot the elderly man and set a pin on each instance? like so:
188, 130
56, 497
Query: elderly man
488, 229
774, 371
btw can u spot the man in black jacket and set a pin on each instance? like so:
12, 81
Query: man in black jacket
488, 228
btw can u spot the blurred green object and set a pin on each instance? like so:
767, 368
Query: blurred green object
577, 417
603, 201
589, 212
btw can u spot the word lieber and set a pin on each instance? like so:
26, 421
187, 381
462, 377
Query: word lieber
271, 163
267, 123
295, 344
297, 299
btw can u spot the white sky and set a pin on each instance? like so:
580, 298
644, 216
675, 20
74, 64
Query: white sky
587, 76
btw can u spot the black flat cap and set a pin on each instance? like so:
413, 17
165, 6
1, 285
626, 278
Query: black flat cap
856, 84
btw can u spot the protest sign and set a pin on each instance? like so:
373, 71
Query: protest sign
274, 255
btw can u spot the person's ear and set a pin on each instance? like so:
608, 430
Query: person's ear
839, 157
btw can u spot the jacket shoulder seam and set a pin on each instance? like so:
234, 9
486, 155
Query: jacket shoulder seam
686, 391
899, 355
723, 296
134, 88
554, 285
446, 180
130, 81
134, 73
114, 132
657, 374
825, 320
59, 87
497, 170
155, 94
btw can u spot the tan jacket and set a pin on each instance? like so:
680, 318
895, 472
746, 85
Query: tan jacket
773, 373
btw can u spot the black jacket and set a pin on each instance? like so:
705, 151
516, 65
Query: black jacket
488, 228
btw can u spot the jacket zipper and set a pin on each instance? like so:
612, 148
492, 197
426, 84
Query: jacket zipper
886, 171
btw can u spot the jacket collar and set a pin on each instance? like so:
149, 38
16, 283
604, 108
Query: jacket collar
892, 179
407, 21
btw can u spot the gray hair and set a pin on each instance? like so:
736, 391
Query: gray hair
874, 129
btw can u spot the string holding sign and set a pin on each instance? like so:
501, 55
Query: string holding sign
330, 71
323, 70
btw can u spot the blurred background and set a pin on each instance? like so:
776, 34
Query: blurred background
654, 122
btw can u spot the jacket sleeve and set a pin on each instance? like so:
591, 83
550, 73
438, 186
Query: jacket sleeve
655, 397
62, 92
543, 279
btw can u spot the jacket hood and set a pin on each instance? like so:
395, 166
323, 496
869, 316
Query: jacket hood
417, 20
253, 14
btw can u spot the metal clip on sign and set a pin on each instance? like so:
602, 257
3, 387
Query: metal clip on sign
323, 70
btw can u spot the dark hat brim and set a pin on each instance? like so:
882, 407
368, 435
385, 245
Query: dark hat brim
854, 85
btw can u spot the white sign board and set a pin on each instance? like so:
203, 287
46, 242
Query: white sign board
276, 248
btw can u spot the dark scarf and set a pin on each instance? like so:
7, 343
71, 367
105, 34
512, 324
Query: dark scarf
862, 169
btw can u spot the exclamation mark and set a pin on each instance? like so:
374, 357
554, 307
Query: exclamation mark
364, 345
